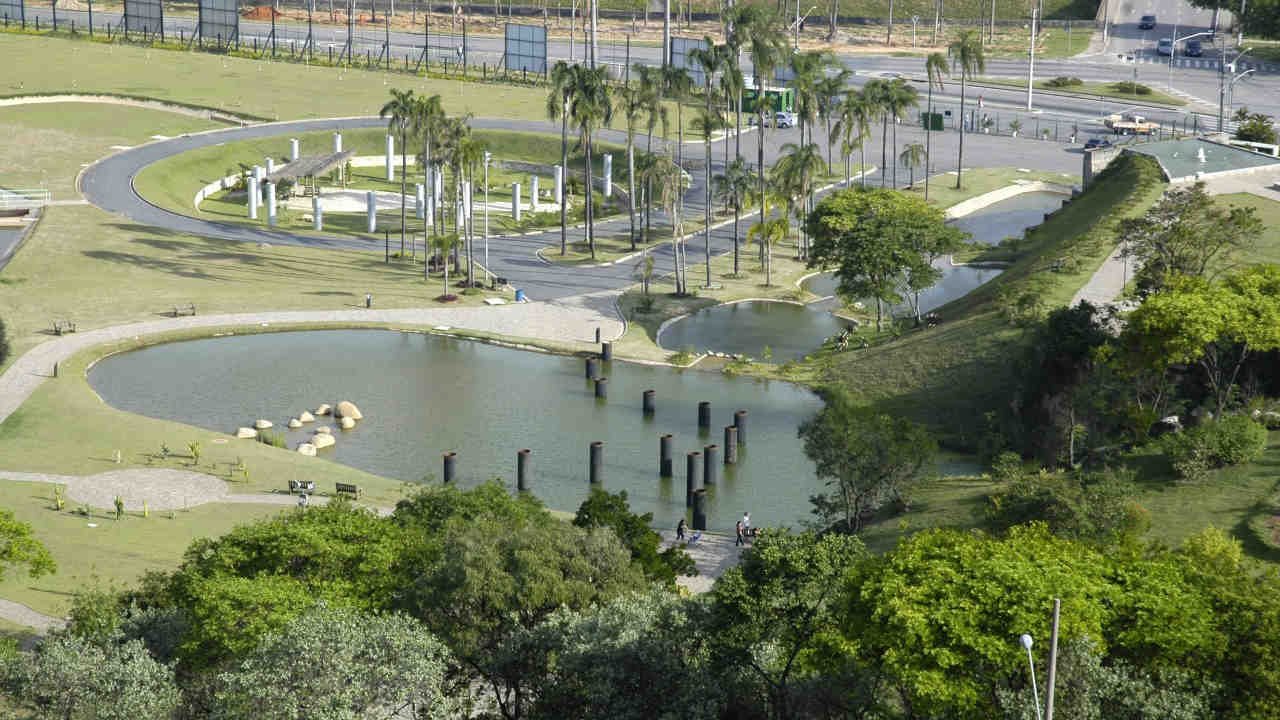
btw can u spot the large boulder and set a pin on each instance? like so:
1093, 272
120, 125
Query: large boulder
307, 449
263, 424
246, 433
322, 441
347, 423
348, 409
324, 430
324, 409
295, 423
306, 417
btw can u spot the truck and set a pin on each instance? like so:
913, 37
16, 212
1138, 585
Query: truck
1130, 124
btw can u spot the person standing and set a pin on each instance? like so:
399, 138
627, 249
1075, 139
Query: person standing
746, 523
680, 529
739, 538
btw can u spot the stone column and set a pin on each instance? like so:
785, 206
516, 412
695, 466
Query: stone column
608, 175
371, 208
533, 193
254, 195
337, 142
317, 213
559, 184
271, 164
271, 203
515, 201
293, 149
391, 158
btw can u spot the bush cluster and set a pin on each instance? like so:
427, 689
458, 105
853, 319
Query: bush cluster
1130, 87
1063, 81
1229, 441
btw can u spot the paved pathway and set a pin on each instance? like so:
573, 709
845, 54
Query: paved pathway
713, 554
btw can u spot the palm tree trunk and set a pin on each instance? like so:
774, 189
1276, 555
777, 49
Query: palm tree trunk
829, 141
737, 138
564, 180
928, 137
895, 149
848, 170
862, 150
591, 235
964, 76
631, 186
760, 155
403, 189
736, 213
706, 210
884, 152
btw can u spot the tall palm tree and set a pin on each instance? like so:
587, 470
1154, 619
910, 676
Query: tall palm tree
899, 98
768, 44
935, 66
399, 110
444, 243
676, 85
672, 183
591, 108
710, 59
809, 69
911, 157
656, 113
732, 188
731, 86
829, 89
767, 233
792, 177
854, 128
876, 95
631, 103
966, 52
428, 115
470, 155
558, 109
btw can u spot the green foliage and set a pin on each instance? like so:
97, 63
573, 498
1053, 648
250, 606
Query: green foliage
20, 548
1096, 507
4, 344
1220, 443
95, 615
337, 663
1063, 81
603, 509
271, 438
1255, 127
1131, 88
229, 615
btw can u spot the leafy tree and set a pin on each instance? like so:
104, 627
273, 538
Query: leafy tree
336, 663
772, 615
769, 233
873, 237
762, 35
711, 59
18, 546
864, 457
898, 99
95, 615
1186, 233
912, 156
792, 177
229, 614
1095, 507
631, 103
603, 509
71, 678
1255, 127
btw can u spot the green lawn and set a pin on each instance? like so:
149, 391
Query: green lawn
980, 181
46, 146
1267, 249
1093, 89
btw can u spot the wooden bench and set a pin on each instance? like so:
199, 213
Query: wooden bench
347, 490
188, 309
302, 486
62, 327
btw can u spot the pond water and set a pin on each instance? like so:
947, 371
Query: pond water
423, 395
789, 331
1009, 218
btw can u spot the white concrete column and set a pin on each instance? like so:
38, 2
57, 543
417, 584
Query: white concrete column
371, 207
257, 173
317, 213
271, 204
293, 149
437, 179
533, 193
337, 142
466, 200
419, 202
430, 209
608, 175
391, 158
271, 164
559, 184
515, 201
254, 196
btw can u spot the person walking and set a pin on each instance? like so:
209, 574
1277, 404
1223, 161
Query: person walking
738, 532
680, 529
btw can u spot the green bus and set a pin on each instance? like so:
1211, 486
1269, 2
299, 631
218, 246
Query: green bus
776, 100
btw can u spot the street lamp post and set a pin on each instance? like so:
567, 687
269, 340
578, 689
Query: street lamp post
1035, 692
1222, 81
487, 158
1174, 51
1031, 58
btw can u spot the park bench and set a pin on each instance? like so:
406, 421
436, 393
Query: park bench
347, 490
62, 327
302, 486
188, 309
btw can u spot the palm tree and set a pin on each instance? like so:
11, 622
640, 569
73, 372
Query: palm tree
764, 35
631, 103
470, 155
591, 109
935, 66
854, 128
809, 69
792, 177
400, 109
913, 154
967, 53
768, 232
876, 95
829, 90
444, 243
676, 85
899, 98
428, 115
671, 181
710, 59
732, 188
558, 109
731, 85
655, 112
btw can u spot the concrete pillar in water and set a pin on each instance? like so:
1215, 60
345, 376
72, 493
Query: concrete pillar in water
593, 368
710, 465
523, 471
450, 466
704, 415
595, 462
271, 203
254, 194
559, 189
664, 455
692, 476
270, 162
317, 213
533, 193
391, 158
606, 351
730, 445
419, 201
648, 402
293, 149
337, 142
740, 422
515, 201
371, 208
608, 175
602, 387
700, 510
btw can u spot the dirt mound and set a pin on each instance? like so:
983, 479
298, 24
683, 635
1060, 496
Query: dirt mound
260, 12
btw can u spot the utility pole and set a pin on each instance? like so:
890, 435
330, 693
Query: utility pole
1053, 659
487, 158
1031, 58
1222, 85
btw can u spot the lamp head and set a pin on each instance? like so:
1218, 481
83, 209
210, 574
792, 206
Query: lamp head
1026, 641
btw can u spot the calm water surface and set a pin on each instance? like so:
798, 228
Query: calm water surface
747, 328
423, 395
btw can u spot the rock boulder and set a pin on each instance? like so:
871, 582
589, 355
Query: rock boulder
322, 441
347, 423
324, 409
307, 417
324, 430
295, 423
263, 424
307, 449
348, 409
245, 433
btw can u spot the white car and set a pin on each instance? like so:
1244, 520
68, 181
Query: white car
784, 120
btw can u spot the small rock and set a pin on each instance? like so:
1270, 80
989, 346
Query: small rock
348, 409
322, 441
324, 430
306, 417
324, 409
307, 449
347, 423
295, 423
245, 433
263, 424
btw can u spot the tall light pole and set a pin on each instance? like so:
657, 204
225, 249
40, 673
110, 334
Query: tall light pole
1035, 691
487, 158
1173, 52
1222, 81
1031, 57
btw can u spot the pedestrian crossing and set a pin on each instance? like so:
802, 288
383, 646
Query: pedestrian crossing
1201, 63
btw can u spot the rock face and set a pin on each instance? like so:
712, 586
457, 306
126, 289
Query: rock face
324, 409
263, 424
347, 423
306, 417
322, 441
295, 423
245, 433
307, 449
348, 409
324, 430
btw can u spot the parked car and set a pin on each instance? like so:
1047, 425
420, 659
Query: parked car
784, 120
1148, 22
1096, 143
1194, 48
1165, 47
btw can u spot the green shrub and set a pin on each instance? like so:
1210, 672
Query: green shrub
1131, 88
274, 439
4, 344
1229, 441
1062, 81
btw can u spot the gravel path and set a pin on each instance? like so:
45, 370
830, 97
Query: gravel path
1106, 284
20, 614
713, 554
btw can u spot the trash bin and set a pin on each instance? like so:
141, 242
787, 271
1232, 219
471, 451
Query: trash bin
520, 296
